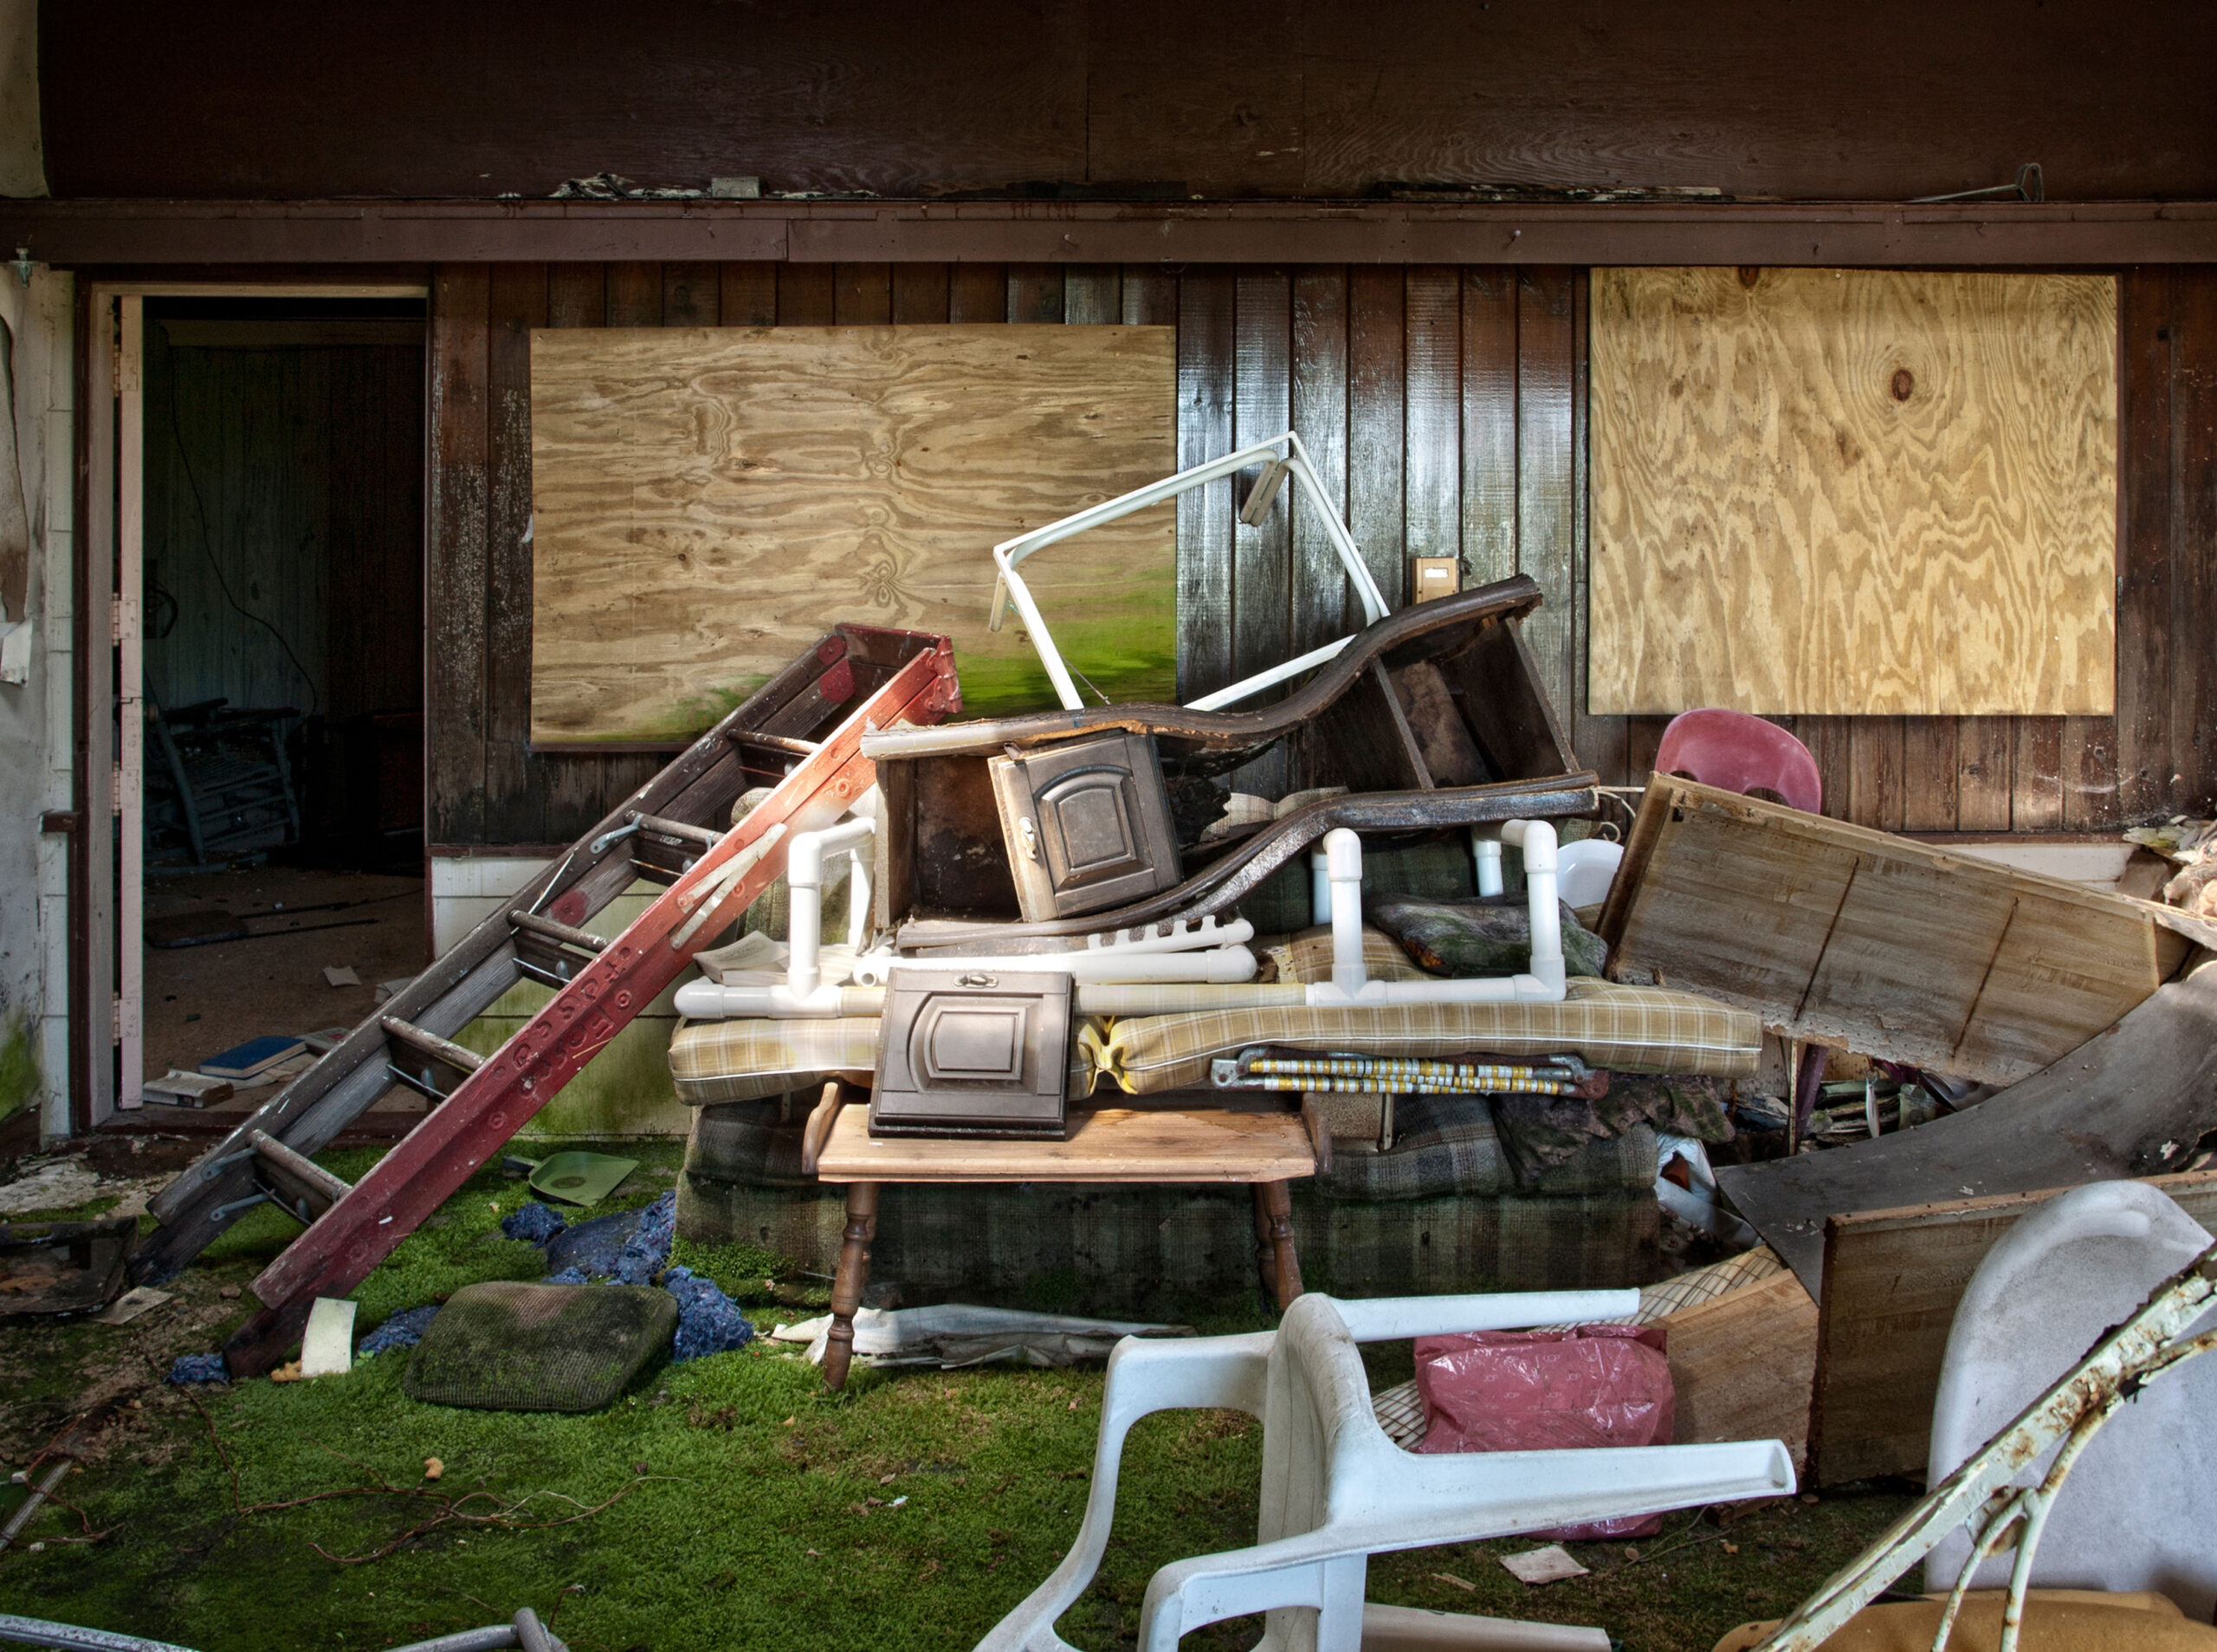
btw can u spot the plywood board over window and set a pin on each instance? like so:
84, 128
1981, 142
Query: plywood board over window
1839, 493
708, 501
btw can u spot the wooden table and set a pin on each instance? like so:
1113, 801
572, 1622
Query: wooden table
1260, 1144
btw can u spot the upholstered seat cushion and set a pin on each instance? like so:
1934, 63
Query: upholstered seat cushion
1644, 1029
744, 1061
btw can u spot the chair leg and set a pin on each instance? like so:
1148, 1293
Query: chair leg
847, 1284
1274, 1251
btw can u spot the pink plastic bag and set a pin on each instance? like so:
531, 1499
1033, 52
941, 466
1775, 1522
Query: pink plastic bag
1541, 1390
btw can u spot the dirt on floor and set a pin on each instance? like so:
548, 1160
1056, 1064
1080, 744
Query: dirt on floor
203, 999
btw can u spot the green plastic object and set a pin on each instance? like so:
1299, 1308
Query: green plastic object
580, 1177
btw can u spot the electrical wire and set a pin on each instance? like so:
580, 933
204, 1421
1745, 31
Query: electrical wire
207, 549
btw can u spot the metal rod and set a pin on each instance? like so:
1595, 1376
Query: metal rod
584, 940
670, 828
430, 1043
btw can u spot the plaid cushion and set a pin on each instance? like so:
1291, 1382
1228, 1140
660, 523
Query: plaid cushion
1653, 1030
1445, 1143
743, 1061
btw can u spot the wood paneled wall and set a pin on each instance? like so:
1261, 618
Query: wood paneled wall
1445, 406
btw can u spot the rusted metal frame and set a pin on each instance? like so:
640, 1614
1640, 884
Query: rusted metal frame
81, 234
2072, 1410
308, 1113
1225, 883
487, 1107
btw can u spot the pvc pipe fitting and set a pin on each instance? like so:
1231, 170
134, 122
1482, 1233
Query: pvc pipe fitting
1486, 852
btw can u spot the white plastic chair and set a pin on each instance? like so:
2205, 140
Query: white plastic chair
1336, 1491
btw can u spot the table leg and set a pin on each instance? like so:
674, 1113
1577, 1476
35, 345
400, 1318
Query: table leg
1273, 1241
847, 1284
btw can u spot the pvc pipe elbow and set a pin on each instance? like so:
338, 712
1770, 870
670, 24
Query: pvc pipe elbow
1343, 855
1536, 838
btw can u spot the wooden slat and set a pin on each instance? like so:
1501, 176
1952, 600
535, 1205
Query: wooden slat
806, 295
1742, 1364
1262, 596
2144, 619
1827, 738
1928, 774
1431, 481
692, 295
1377, 377
1985, 754
748, 294
1149, 297
1323, 607
2194, 540
1092, 294
2036, 776
920, 295
978, 293
576, 786
1930, 557
864, 295
634, 295
1848, 936
1205, 368
1488, 487
641, 530
1035, 292
515, 806
1547, 500
455, 581
1105, 1144
1874, 796
1892, 1283
2089, 774
1600, 742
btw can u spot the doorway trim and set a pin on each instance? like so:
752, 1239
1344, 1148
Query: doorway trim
109, 984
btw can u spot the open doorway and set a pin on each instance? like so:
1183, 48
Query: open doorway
281, 625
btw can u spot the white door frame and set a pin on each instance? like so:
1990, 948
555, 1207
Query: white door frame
114, 551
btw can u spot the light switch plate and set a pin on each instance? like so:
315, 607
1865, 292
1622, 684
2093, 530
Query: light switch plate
1431, 577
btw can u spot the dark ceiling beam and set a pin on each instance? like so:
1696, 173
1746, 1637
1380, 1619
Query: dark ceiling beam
86, 233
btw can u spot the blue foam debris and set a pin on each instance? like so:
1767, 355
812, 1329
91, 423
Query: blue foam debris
592, 1247
404, 1330
200, 1368
646, 1253
568, 1277
709, 1322
534, 1224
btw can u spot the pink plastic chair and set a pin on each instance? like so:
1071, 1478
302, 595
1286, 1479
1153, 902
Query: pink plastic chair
1737, 752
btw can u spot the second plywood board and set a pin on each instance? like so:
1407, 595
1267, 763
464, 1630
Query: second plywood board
1853, 493
708, 500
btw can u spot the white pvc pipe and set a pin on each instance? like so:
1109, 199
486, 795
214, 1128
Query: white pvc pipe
1319, 886
1486, 851
706, 1001
1350, 987
1221, 964
804, 880
1262, 679
1391, 1318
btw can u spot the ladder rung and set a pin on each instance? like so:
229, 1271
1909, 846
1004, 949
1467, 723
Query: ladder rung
430, 1043
776, 742
583, 938
297, 1175
670, 828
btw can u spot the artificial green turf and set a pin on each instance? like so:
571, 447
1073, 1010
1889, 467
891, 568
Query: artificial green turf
738, 1503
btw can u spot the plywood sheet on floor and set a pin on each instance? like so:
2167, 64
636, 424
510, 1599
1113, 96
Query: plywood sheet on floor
1846, 936
1892, 1281
707, 501
1853, 493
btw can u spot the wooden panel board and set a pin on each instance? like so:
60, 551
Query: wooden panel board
1850, 937
1892, 1280
708, 500
1742, 1364
1105, 1144
1870, 492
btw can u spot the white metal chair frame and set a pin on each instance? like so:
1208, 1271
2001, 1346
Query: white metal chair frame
1335, 1490
1282, 457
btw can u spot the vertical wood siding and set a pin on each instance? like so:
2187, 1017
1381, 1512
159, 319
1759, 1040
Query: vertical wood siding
1446, 410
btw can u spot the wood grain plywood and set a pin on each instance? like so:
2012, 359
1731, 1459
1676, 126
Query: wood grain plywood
1742, 1364
1892, 1281
1846, 936
1853, 493
1105, 1144
709, 500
